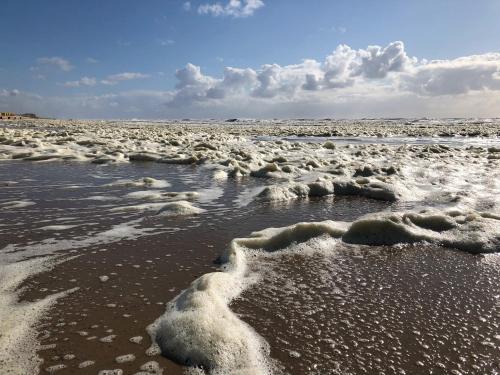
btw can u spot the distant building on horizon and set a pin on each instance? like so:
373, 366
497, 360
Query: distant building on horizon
14, 116
9, 116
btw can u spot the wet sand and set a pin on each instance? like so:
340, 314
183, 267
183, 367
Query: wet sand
337, 309
144, 273
410, 310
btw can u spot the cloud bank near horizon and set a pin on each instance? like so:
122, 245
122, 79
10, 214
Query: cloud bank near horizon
372, 82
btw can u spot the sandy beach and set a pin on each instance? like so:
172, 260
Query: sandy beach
250, 246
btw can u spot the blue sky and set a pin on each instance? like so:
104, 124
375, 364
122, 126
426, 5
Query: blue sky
78, 54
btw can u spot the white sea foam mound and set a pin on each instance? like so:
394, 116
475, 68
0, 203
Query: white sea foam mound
437, 168
292, 191
469, 231
141, 182
17, 204
370, 188
283, 193
461, 172
199, 329
220, 175
179, 208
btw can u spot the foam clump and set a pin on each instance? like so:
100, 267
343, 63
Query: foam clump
468, 231
125, 358
55, 368
17, 204
396, 169
111, 372
321, 188
179, 208
284, 192
329, 145
365, 187
136, 339
220, 175
85, 364
297, 190
107, 339
141, 182
198, 328
57, 227
269, 170
151, 367
182, 160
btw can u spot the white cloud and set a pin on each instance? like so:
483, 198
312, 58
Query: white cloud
139, 103
371, 82
166, 42
339, 29
347, 103
59, 62
91, 60
127, 76
388, 67
453, 77
234, 8
109, 80
186, 6
84, 81
377, 62
343, 68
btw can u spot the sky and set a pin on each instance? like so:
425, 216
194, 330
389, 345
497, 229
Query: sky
161, 59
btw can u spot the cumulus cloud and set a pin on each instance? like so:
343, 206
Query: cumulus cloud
84, 81
234, 81
234, 8
377, 62
127, 76
59, 62
374, 81
345, 68
454, 77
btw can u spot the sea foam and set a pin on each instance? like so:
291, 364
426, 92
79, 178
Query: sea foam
199, 329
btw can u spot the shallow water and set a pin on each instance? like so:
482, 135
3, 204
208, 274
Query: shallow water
340, 309
453, 141
370, 310
98, 245
148, 260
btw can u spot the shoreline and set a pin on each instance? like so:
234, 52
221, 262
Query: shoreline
107, 185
